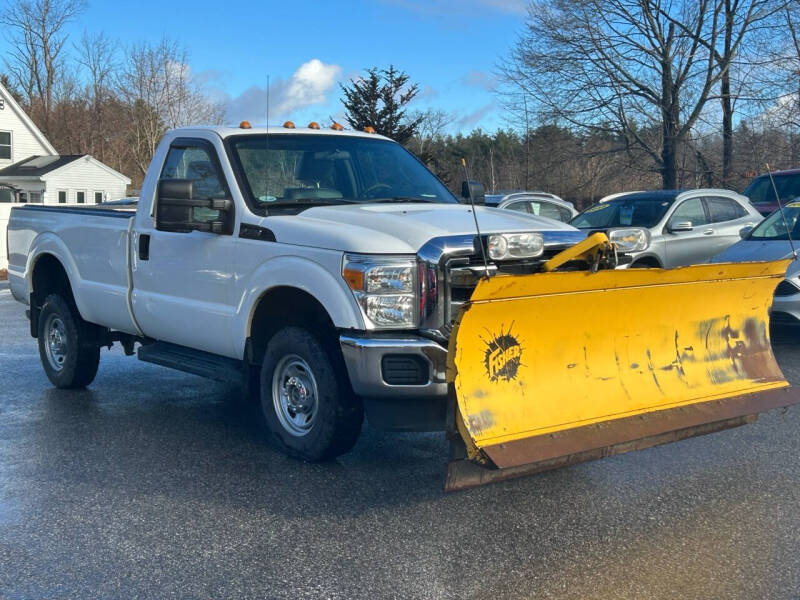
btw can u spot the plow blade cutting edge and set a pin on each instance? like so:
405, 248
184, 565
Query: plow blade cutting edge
552, 369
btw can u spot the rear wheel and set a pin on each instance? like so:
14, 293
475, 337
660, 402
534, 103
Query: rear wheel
307, 402
68, 347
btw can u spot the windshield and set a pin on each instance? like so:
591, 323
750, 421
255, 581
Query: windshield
760, 190
328, 169
773, 227
641, 212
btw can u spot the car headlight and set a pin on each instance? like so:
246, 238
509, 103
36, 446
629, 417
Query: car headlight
634, 239
385, 288
508, 246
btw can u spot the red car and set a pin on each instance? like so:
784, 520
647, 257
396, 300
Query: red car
762, 196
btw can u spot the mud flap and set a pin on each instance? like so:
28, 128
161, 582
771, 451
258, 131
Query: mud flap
556, 368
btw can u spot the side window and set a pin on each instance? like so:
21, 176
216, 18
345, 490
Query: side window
5, 145
196, 164
724, 209
690, 210
523, 207
552, 211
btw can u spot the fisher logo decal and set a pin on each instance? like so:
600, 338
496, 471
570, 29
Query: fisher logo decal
503, 355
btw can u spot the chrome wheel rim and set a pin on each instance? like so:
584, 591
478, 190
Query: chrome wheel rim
55, 346
294, 395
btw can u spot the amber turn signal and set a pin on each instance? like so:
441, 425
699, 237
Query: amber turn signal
354, 278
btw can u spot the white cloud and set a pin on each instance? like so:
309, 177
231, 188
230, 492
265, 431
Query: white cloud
308, 86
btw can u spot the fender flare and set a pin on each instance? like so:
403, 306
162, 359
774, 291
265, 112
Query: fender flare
305, 275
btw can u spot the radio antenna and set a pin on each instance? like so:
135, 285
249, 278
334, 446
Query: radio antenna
475, 216
783, 214
266, 149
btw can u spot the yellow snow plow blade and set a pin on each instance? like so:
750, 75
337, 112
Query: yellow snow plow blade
555, 368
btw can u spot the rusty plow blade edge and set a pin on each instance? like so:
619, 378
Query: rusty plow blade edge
552, 369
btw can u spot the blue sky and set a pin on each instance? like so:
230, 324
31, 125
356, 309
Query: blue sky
450, 48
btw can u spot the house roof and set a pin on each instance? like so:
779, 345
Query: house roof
36, 166
9, 98
42, 167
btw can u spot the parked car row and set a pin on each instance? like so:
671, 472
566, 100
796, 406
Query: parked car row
672, 228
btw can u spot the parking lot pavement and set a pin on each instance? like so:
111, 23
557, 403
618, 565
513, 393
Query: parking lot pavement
154, 484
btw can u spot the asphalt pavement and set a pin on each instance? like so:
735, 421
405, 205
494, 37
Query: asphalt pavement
156, 484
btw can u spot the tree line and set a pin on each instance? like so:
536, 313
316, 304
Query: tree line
601, 96
90, 96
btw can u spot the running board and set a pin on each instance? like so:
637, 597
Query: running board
196, 362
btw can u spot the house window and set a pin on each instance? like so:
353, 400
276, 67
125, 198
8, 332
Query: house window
81, 197
5, 145
98, 197
23, 197
36, 197
62, 196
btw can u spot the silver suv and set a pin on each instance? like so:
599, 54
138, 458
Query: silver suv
675, 227
540, 204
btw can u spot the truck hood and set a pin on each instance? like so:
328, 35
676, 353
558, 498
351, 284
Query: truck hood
397, 228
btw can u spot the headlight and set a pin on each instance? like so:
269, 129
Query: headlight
629, 240
385, 288
506, 246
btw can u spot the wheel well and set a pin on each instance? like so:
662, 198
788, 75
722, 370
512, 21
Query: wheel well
49, 277
646, 261
283, 306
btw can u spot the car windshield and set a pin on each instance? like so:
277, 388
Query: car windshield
331, 169
760, 190
774, 227
623, 212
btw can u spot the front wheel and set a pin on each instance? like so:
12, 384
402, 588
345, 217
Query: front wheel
69, 352
307, 402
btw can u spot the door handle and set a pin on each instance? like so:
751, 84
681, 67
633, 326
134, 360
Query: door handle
708, 232
144, 246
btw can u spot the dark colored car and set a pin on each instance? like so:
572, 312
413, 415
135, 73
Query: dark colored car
762, 196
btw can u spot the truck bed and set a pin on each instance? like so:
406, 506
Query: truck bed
91, 242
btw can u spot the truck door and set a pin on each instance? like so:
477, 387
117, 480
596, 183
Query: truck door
182, 279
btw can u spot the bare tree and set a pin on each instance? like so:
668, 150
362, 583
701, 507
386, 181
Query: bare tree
640, 70
36, 31
157, 87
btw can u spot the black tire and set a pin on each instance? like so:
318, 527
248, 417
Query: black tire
334, 420
81, 351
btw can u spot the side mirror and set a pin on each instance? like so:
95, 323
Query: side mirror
474, 189
178, 210
745, 231
680, 226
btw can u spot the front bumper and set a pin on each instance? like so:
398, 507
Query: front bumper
364, 356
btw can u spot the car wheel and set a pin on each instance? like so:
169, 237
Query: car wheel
308, 405
68, 347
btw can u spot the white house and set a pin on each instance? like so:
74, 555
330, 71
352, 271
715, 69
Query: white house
32, 171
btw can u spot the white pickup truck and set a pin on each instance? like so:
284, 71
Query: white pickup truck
323, 268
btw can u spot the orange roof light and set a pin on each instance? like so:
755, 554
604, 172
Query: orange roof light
369, 129
313, 125
245, 125
336, 126
288, 125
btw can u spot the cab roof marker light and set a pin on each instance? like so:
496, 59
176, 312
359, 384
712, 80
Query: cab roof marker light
369, 129
288, 125
337, 126
313, 125
245, 125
